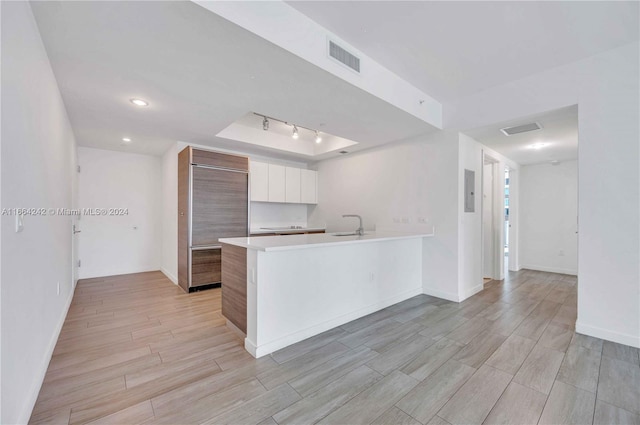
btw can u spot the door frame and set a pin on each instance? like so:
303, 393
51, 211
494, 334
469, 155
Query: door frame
497, 215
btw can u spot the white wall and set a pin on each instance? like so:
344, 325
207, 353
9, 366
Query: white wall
471, 238
548, 216
403, 181
407, 181
119, 244
169, 264
606, 89
470, 235
38, 171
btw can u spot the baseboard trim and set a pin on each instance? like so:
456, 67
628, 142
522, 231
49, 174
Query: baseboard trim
594, 331
285, 341
171, 277
449, 296
35, 390
549, 269
119, 272
250, 347
471, 292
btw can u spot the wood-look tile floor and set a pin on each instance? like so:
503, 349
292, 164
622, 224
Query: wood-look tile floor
135, 349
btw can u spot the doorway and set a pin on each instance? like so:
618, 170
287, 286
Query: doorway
492, 218
507, 224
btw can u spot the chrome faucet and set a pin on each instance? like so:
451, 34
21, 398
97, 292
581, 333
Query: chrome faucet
359, 230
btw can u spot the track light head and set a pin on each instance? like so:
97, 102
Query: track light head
318, 138
295, 132
265, 124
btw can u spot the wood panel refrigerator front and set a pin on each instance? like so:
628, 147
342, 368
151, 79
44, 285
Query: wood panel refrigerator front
212, 204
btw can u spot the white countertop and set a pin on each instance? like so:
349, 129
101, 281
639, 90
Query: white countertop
288, 242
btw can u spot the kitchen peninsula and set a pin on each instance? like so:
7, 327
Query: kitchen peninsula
279, 290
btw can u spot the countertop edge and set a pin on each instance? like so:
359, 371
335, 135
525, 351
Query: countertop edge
242, 242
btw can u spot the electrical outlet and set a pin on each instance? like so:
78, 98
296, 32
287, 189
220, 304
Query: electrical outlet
58, 288
422, 220
561, 253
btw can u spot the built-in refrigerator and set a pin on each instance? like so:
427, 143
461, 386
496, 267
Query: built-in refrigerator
213, 203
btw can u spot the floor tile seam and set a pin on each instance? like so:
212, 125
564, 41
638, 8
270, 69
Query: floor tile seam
348, 400
618, 359
598, 387
555, 379
505, 390
459, 388
409, 414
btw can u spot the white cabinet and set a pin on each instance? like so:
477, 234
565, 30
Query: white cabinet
292, 185
259, 181
277, 183
277, 177
308, 187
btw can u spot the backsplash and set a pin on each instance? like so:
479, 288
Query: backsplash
277, 215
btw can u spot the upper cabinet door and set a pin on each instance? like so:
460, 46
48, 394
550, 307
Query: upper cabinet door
259, 181
277, 178
308, 187
292, 185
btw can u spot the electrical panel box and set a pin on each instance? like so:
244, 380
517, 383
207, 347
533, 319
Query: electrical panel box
469, 190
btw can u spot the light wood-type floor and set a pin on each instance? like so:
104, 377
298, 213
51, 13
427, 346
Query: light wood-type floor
135, 349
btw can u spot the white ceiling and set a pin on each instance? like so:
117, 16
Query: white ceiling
451, 49
199, 73
559, 131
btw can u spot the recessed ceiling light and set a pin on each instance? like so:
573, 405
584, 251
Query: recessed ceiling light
537, 146
139, 102
126, 140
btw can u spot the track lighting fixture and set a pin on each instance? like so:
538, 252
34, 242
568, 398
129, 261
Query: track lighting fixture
296, 134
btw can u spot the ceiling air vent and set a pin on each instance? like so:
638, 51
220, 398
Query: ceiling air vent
344, 57
510, 131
